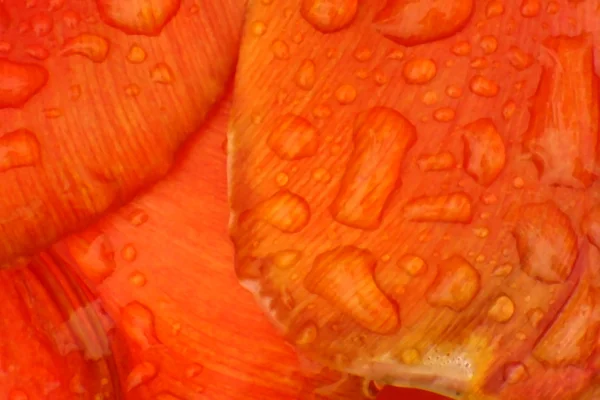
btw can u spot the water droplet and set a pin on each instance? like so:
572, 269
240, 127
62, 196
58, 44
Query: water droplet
484, 151
284, 210
193, 371
380, 77
546, 242
515, 372
298, 38
306, 75
18, 149
322, 111
410, 356
286, 258
481, 232
93, 47
52, 113
94, 254
281, 179
363, 54
483, 86
502, 310
436, 162
412, 265
462, 48
137, 279
343, 276
503, 270
19, 82
535, 316
519, 59
138, 324
136, 54
329, 16
563, 156
42, 24
479, 63
518, 183
419, 71
430, 97
489, 198
365, 187
258, 28
128, 253
162, 73
396, 54
137, 217
37, 51
140, 374
508, 110
321, 175
494, 8
530, 8
455, 285
412, 23
132, 90
345, 94
293, 138
445, 114
307, 334
454, 208
453, 91
281, 50
489, 44
138, 17
553, 7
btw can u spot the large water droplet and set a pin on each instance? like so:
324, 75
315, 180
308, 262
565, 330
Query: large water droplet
382, 138
18, 149
293, 138
138, 17
484, 151
411, 23
19, 82
502, 309
419, 70
454, 207
436, 162
329, 15
138, 324
91, 46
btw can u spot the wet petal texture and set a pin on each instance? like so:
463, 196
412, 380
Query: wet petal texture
95, 98
448, 157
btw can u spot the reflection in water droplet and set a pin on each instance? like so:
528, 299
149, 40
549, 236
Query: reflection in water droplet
138, 17
162, 73
93, 47
329, 16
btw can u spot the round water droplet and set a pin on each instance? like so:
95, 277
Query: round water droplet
162, 73
419, 70
307, 334
453, 91
321, 175
345, 94
140, 374
132, 90
91, 46
136, 54
494, 8
484, 87
502, 310
430, 98
445, 114
138, 17
329, 15
411, 356
462, 48
305, 77
258, 28
137, 279
129, 253
293, 138
530, 8
281, 179
489, 44
281, 50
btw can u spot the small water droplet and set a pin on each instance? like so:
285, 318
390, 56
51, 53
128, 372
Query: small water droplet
19, 82
52, 113
410, 356
137, 217
91, 46
258, 28
284, 210
419, 71
436, 162
322, 111
138, 17
518, 183
42, 24
481, 232
453, 91
453, 208
193, 371
162, 73
321, 175
293, 138
489, 44
508, 110
553, 7
445, 114
128, 252
132, 90
462, 48
286, 258
281, 50
502, 310
140, 374
380, 77
456, 284
346, 94
306, 75
503, 270
530, 8
494, 8
430, 97
329, 16
484, 87
307, 334
396, 54
137, 279
363, 54
412, 265
298, 38
514, 372
136, 54
281, 179
138, 324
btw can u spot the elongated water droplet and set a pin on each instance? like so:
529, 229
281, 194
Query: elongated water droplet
484, 87
419, 71
91, 46
138, 17
306, 76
